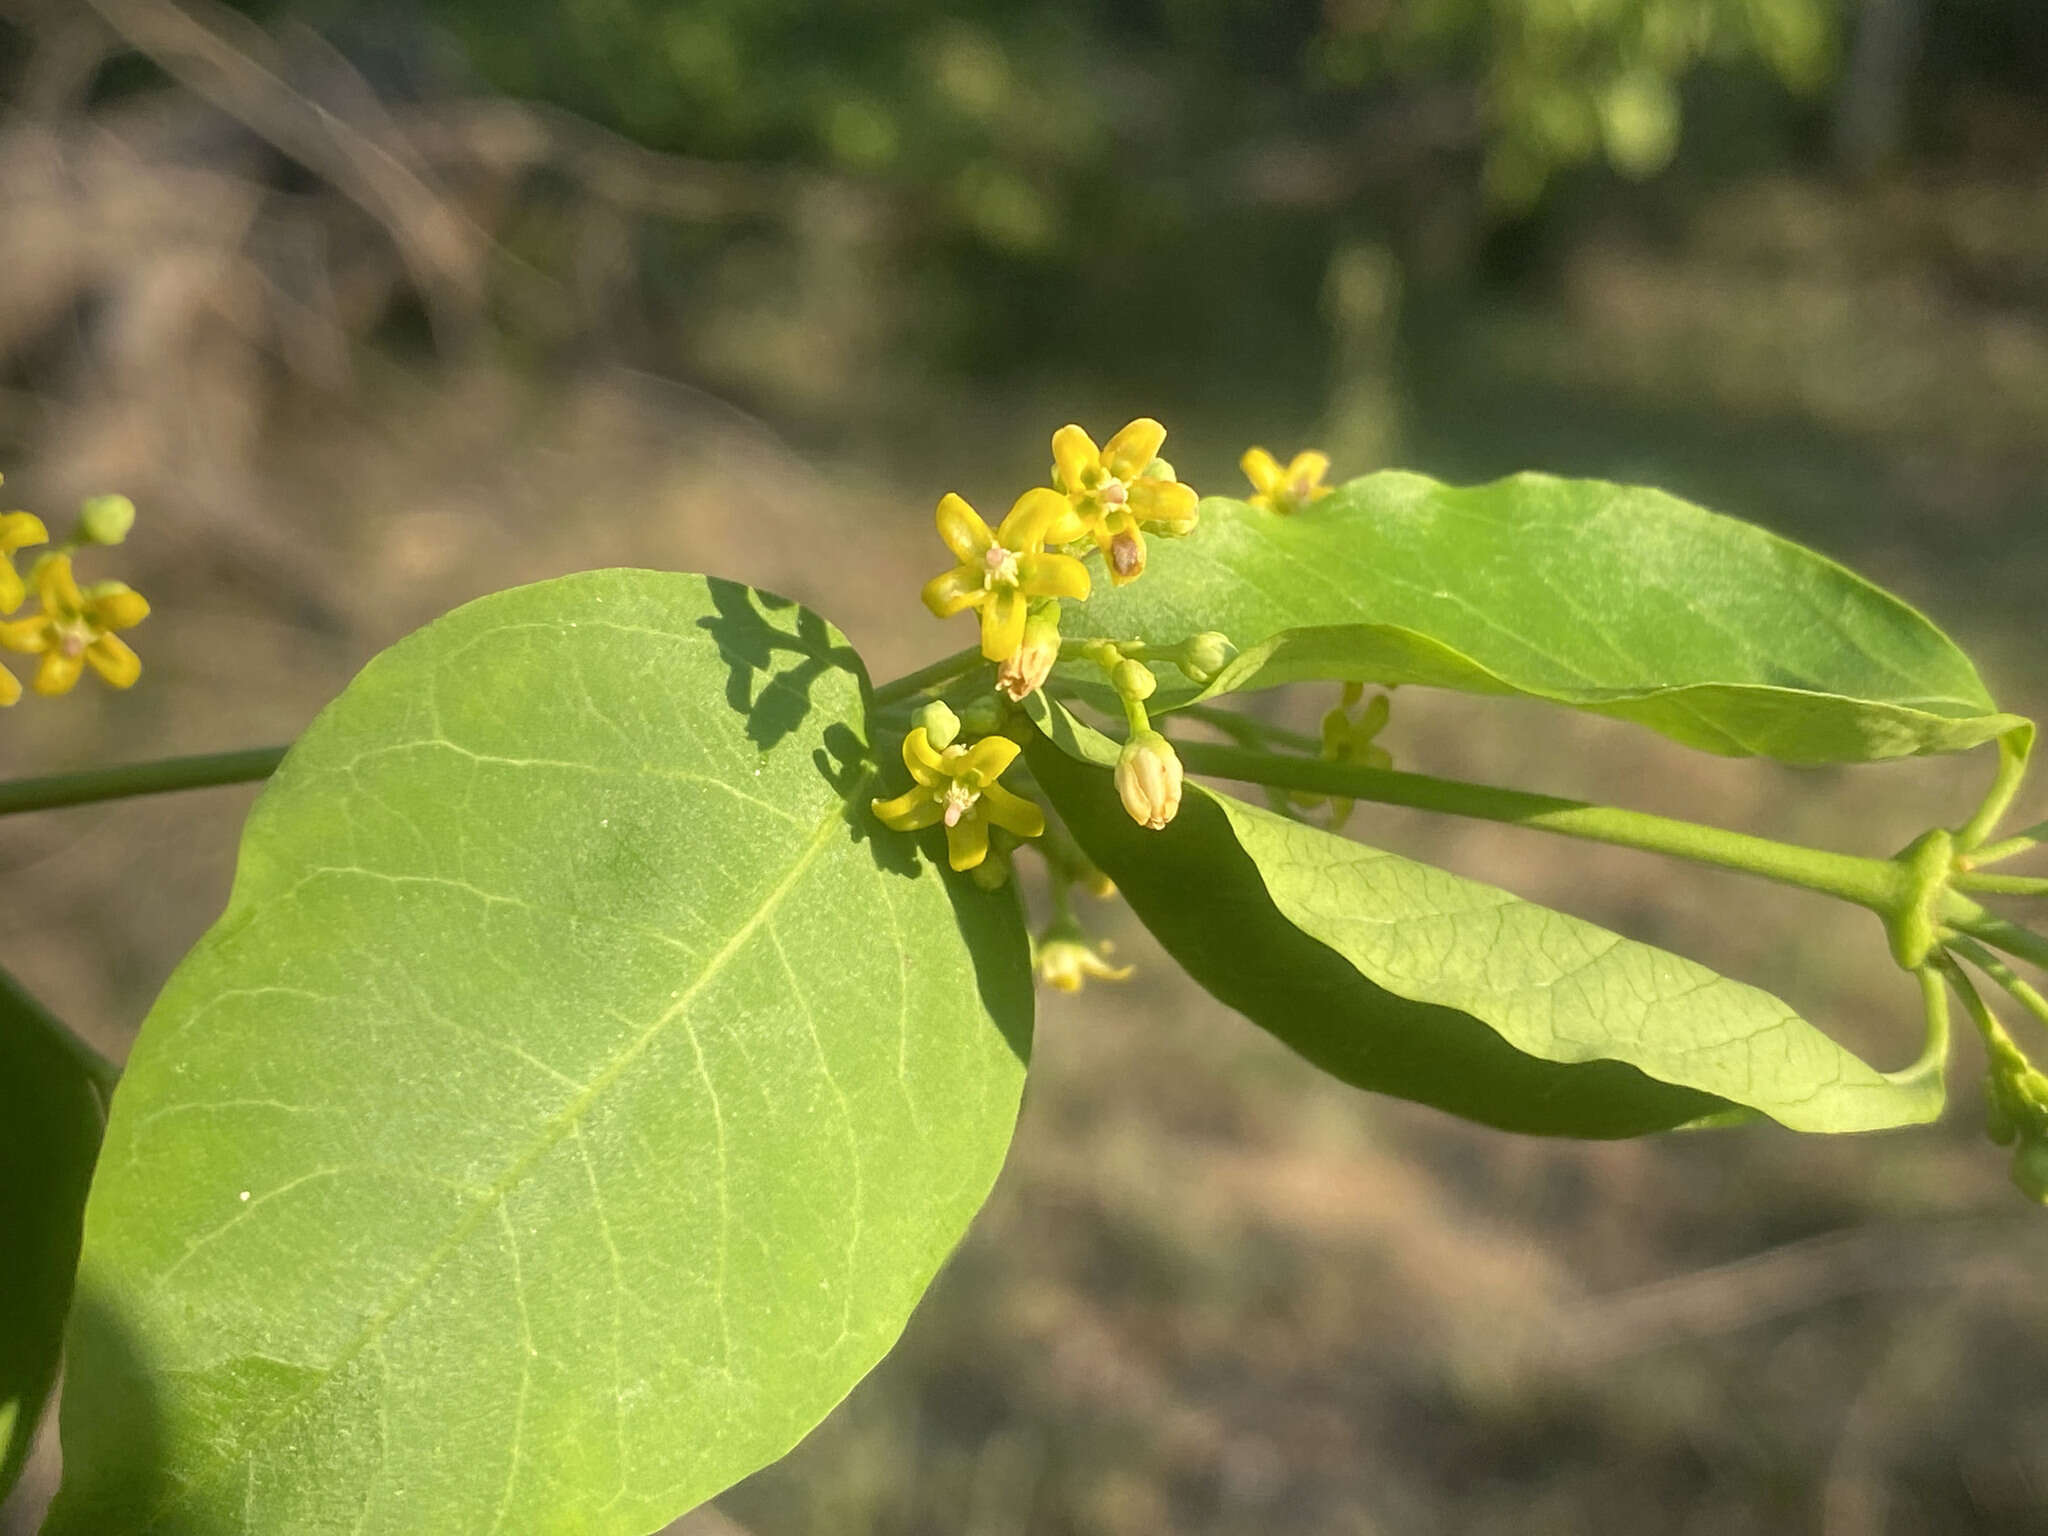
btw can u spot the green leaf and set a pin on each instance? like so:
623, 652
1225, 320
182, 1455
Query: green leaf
1615, 599
574, 1099
50, 1115
1409, 980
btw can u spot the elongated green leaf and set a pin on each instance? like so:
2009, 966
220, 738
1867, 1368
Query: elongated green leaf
49, 1133
1615, 599
1409, 980
574, 1099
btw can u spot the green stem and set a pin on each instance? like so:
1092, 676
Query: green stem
102, 1073
2000, 972
944, 670
2011, 847
1997, 1043
155, 778
1880, 884
1962, 915
2012, 767
2001, 885
1934, 1050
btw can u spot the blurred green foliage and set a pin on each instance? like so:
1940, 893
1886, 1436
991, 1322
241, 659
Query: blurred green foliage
1129, 165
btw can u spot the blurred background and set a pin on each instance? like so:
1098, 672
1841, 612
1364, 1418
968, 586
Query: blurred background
375, 307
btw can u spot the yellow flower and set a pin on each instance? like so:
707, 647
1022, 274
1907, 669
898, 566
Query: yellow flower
1065, 961
18, 530
958, 787
1000, 572
1115, 491
1285, 490
75, 629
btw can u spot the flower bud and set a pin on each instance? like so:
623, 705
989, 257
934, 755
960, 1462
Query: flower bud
1027, 669
1133, 680
941, 725
2030, 1169
984, 717
106, 519
993, 872
1205, 655
1148, 779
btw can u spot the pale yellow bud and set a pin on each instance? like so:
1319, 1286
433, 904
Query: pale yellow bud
1148, 779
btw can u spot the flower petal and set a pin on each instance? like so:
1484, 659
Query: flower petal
1262, 469
1127, 454
1126, 551
967, 841
989, 757
26, 635
116, 606
57, 587
1052, 576
114, 660
1013, 813
12, 588
18, 530
58, 673
911, 811
1035, 512
10, 687
1002, 623
963, 530
1164, 501
953, 591
1074, 455
1070, 525
923, 760
1308, 468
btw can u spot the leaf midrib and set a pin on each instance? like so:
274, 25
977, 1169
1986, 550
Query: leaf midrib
564, 1123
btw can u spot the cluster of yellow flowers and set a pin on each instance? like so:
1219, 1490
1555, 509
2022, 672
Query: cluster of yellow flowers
1108, 496
72, 627
1014, 577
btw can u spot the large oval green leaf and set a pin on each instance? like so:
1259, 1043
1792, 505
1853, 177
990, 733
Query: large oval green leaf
50, 1114
1409, 980
574, 1099
1615, 599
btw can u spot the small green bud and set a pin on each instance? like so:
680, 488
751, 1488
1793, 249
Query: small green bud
984, 717
1999, 1124
106, 519
941, 725
1205, 655
2030, 1169
1133, 680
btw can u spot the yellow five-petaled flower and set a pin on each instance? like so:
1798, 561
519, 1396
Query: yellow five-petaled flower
958, 787
1285, 490
1000, 571
1115, 491
76, 629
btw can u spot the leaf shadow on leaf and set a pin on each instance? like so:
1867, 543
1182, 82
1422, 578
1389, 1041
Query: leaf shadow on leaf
125, 1485
850, 769
1205, 900
749, 640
